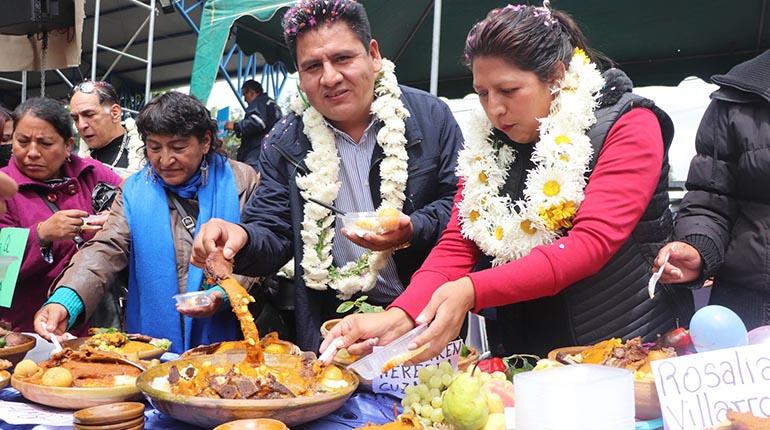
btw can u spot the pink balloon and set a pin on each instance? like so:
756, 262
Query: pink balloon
760, 335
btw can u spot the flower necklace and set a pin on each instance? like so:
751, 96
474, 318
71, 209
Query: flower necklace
554, 188
322, 183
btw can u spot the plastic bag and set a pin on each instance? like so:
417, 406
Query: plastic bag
102, 196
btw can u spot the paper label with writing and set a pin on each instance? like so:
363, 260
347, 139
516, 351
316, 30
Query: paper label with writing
396, 379
13, 242
16, 413
696, 390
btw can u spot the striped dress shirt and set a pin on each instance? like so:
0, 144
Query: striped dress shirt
355, 196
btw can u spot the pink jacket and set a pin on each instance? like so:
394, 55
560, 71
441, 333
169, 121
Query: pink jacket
26, 210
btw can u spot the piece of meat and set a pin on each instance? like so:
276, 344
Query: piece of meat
246, 387
173, 374
228, 391
140, 337
277, 387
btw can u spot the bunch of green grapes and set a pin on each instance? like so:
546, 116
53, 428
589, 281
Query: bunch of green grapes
424, 399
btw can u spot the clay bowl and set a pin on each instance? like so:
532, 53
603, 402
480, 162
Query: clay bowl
112, 413
209, 413
15, 354
143, 350
74, 397
647, 404
255, 424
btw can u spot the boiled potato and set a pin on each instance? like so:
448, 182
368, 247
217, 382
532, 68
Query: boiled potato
57, 377
26, 368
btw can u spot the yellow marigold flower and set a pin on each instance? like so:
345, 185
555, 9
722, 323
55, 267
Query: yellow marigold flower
563, 139
474, 215
551, 188
526, 226
581, 55
558, 216
499, 233
483, 177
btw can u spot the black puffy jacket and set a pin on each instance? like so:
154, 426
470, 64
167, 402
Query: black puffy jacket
726, 212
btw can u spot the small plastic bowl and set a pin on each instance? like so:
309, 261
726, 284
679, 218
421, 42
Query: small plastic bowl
190, 300
361, 222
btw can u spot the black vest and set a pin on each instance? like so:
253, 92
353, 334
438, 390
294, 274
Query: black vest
614, 302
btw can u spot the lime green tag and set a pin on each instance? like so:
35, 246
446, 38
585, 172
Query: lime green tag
13, 242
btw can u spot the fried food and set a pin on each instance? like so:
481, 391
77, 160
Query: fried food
220, 270
5, 364
746, 421
88, 368
403, 422
403, 358
631, 355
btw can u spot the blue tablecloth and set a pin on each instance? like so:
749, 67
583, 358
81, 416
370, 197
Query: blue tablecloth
360, 409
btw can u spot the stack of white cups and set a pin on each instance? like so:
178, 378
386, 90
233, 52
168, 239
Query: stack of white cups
576, 397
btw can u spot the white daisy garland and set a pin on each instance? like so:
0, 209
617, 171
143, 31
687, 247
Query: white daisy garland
509, 230
322, 183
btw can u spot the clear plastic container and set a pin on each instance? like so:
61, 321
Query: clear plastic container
361, 222
193, 299
575, 397
372, 365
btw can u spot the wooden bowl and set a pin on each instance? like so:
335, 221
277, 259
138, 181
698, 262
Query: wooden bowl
646, 401
109, 414
328, 325
74, 397
255, 424
209, 412
465, 362
15, 354
143, 350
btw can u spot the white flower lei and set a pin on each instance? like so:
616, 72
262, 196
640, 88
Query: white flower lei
508, 230
322, 183
134, 146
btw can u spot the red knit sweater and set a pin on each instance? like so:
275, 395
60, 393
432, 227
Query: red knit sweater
618, 192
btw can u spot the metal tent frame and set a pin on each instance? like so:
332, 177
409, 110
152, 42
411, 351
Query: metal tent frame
273, 76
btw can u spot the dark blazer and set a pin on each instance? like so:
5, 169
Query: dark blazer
274, 214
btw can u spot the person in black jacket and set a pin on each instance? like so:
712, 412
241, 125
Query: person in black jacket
260, 116
362, 142
723, 226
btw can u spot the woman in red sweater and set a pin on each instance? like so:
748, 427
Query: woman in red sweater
561, 204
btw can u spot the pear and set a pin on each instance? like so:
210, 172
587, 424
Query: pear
465, 403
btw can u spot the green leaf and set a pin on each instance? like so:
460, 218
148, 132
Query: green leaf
345, 307
2, 342
464, 351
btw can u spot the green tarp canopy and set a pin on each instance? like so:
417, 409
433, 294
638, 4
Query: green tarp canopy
654, 41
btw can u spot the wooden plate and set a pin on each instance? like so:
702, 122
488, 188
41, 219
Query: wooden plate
144, 350
109, 414
123, 425
74, 397
646, 399
15, 354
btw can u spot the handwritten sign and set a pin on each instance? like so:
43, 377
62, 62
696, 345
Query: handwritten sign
696, 391
17, 413
395, 380
13, 242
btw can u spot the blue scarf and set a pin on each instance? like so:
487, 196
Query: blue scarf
153, 279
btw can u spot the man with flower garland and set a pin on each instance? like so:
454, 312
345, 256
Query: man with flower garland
359, 141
